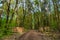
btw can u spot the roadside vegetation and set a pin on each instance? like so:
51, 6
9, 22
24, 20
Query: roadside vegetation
23, 15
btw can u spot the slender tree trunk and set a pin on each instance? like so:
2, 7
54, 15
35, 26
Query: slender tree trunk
8, 11
23, 17
33, 24
14, 11
24, 14
56, 12
29, 5
0, 17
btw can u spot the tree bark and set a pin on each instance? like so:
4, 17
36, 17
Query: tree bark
14, 11
8, 11
56, 13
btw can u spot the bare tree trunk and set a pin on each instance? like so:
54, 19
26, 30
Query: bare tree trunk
56, 12
14, 11
0, 16
8, 11
23, 16
29, 5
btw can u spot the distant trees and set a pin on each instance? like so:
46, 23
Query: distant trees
56, 12
38, 9
30, 14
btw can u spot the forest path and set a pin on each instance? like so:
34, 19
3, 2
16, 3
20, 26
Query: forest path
34, 35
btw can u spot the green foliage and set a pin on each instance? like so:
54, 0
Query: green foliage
31, 15
4, 31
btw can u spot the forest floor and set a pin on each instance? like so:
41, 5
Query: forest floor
34, 35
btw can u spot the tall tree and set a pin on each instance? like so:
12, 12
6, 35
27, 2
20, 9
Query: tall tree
56, 11
0, 12
0, 16
7, 11
16, 5
30, 10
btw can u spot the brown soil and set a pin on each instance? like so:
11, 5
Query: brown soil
34, 35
